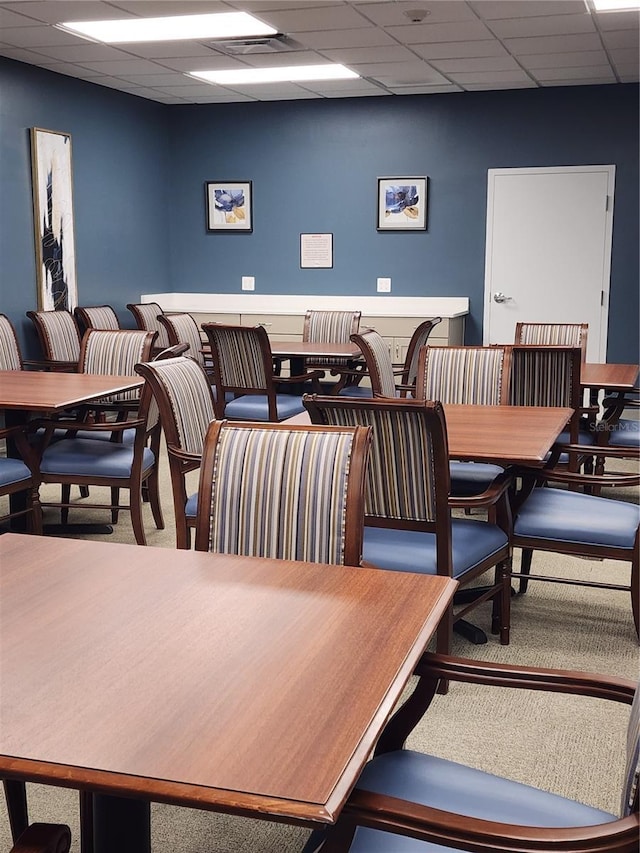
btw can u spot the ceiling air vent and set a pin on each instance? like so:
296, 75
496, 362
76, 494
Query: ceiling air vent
259, 44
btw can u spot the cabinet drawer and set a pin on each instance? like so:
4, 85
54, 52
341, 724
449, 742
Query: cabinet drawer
276, 324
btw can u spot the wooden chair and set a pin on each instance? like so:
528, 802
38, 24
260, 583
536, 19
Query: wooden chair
471, 376
331, 327
549, 375
419, 803
312, 509
379, 369
146, 316
59, 339
419, 339
117, 464
96, 317
21, 475
557, 334
185, 399
408, 522
571, 522
10, 355
183, 329
43, 838
243, 367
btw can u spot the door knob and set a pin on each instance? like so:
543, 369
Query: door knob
500, 297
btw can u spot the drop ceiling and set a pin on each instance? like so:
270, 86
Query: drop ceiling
456, 46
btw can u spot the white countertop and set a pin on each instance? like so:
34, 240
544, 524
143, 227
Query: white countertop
264, 303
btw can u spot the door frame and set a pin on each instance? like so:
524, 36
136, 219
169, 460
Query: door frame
608, 239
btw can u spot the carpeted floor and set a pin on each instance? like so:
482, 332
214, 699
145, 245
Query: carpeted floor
570, 745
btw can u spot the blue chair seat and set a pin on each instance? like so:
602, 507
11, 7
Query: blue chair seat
356, 391
472, 478
414, 551
564, 516
626, 433
13, 471
191, 506
86, 457
254, 407
449, 786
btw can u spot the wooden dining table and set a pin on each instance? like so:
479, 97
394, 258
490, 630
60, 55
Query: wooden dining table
244, 685
612, 377
504, 435
24, 392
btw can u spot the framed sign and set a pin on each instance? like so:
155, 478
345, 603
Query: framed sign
402, 204
51, 178
229, 206
316, 251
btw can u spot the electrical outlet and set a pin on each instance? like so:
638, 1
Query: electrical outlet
248, 282
384, 285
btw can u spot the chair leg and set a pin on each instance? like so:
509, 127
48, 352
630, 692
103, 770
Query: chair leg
635, 592
501, 615
444, 641
525, 569
86, 822
34, 519
66, 497
152, 484
115, 503
135, 504
15, 793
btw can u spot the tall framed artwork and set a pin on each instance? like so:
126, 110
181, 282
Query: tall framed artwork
52, 182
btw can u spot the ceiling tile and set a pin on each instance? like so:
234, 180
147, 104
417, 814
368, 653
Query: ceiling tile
607, 21
564, 60
553, 44
498, 63
308, 19
496, 9
123, 66
13, 19
167, 49
69, 10
600, 72
556, 25
85, 52
620, 38
393, 14
349, 88
363, 37
151, 81
214, 62
496, 87
459, 49
424, 90
40, 36
596, 81
162, 8
427, 33
514, 76
348, 56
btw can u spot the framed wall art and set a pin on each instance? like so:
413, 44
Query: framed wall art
52, 182
402, 204
229, 206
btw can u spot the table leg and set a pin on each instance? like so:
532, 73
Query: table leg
121, 825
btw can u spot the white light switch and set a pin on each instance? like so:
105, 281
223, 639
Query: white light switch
384, 285
248, 282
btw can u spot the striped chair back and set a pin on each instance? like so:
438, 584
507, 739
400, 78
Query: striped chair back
115, 352
408, 474
378, 360
555, 334
183, 329
632, 770
467, 375
96, 317
330, 327
10, 357
183, 393
283, 492
418, 340
58, 334
146, 317
242, 359
547, 376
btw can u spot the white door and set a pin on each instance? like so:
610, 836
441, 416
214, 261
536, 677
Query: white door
548, 252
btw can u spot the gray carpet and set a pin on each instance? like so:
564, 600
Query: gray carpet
570, 745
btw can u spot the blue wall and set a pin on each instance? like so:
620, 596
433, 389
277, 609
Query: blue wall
120, 164
140, 169
314, 166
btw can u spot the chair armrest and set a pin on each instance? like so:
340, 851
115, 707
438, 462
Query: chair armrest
489, 497
190, 461
390, 814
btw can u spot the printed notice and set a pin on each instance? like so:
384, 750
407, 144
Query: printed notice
316, 251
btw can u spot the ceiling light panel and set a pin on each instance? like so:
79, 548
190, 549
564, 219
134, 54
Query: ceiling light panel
615, 5
174, 28
291, 74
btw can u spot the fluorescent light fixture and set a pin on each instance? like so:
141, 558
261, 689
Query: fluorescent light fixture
289, 74
174, 28
615, 5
